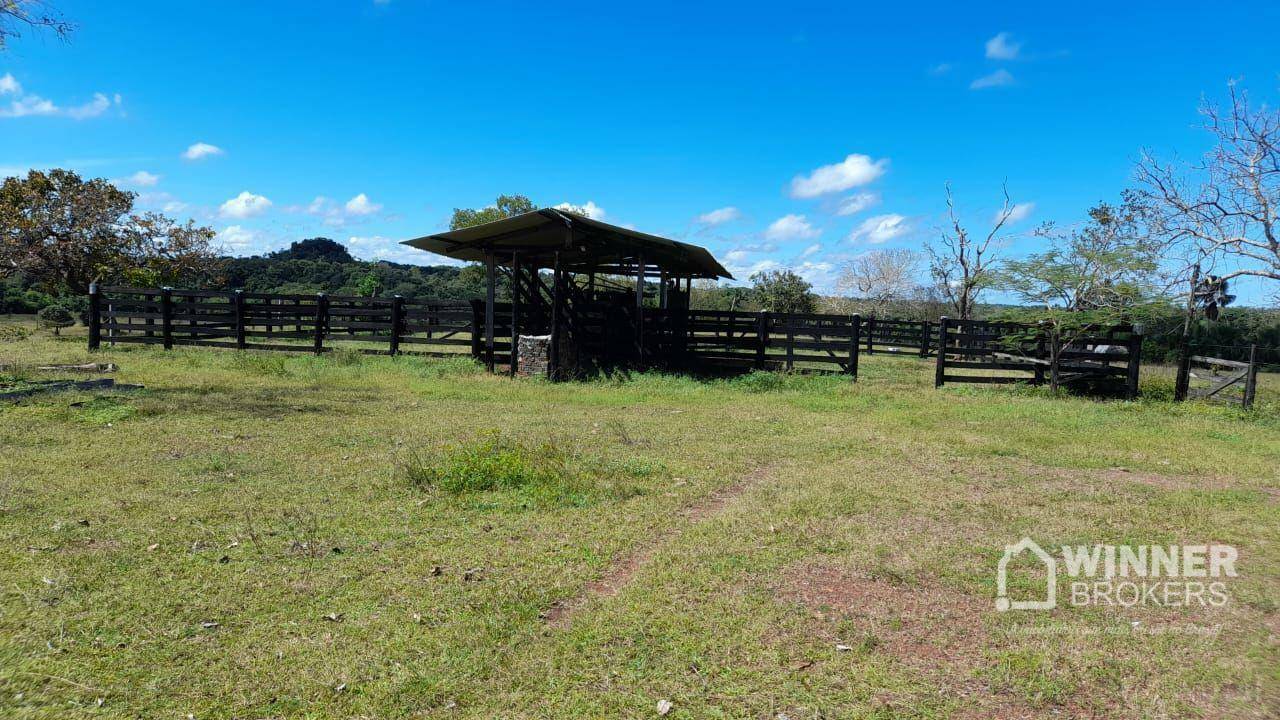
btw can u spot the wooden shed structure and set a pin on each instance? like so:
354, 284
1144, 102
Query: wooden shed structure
579, 285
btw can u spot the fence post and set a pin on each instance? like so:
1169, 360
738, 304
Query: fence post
1251, 379
95, 317
397, 321
237, 298
1135, 363
924, 338
322, 320
1039, 371
939, 372
791, 340
762, 337
166, 316
1055, 358
871, 334
855, 323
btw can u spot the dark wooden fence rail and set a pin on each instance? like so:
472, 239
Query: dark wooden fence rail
1003, 352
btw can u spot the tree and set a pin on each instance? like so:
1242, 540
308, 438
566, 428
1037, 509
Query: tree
504, 207
318, 248
369, 285
880, 276
1095, 277
783, 291
962, 266
55, 317
64, 233
1223, 210
16, 14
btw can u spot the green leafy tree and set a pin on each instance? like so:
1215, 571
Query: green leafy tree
64, 232
1092, 278
369, 285
55, 317
783, 291
504, 207
318, 248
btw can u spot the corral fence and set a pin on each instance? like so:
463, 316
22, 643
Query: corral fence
687, 339
982, 351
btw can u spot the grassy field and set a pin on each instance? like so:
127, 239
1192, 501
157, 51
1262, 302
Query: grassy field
269, 535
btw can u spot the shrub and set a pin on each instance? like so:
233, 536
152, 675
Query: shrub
14, 333
55, 317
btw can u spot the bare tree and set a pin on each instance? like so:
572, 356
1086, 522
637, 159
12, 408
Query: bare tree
16, 14
880, 276
1223, 211
963, 266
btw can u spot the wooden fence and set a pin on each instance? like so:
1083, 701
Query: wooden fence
790, 341
980, 351
1229, 381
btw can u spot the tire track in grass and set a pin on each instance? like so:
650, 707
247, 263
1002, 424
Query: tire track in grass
620, 573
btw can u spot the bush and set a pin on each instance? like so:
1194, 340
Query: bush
13, 333
55, 317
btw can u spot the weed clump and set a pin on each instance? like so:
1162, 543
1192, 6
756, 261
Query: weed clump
542, 473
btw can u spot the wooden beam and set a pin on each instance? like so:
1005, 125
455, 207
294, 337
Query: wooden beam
490, 295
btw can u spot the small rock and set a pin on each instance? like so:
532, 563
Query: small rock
153, 547
333, 617
664, 707
209, 625
843, 648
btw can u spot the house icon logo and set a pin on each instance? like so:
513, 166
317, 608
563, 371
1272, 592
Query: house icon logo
1003, 602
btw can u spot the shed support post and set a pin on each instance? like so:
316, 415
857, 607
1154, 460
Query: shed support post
939, 373
557, 301
490, 295
95, 317
640, 308
515, 312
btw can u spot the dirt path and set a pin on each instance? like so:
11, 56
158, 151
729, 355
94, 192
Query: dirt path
620, 573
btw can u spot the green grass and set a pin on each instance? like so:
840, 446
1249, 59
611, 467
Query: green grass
272, 535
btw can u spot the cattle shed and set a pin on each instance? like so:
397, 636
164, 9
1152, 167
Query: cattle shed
578, 290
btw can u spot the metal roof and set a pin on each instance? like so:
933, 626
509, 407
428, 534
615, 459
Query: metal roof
596, 245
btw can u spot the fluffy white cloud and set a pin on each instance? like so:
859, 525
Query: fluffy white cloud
813, 249
591, 210
855, 204
854, 171
377, 247
361, 205
719, 216
880, 228
791, 227
1018, 212
244, 205
142, 178
236, 239
1002, 47
201, 150
29, 104
999, 78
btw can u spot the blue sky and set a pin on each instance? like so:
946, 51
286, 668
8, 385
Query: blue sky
369, 121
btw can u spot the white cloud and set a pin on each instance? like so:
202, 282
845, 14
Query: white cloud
244, 205
236, 239
377, 247
940, 69
142, 178
1002, 47
201, 150
1018, 212
31, 105
719, 216
811, 250
999, 78
791, 227
737, 256
95, 107
854, 171
361, 205
855, 204
880, 228
591, 210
